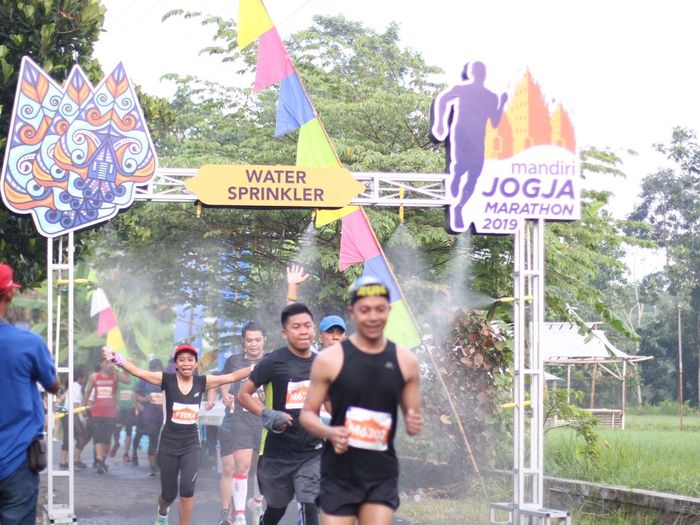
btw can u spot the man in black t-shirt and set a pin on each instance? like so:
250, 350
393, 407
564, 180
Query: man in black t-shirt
290, 457
240, 434
366, 378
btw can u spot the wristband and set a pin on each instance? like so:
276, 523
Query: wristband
118, 359
292, 298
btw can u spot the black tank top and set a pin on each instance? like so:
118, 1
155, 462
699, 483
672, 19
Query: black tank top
365, 397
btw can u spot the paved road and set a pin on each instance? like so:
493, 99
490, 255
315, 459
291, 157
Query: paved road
127, 495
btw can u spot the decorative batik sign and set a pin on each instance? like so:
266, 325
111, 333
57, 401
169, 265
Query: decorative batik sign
509, 158
74, 154
274, 186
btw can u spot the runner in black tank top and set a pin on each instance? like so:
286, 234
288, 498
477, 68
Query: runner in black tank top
365, 378
368, 389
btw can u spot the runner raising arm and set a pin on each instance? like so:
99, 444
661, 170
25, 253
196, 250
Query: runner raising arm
156, 378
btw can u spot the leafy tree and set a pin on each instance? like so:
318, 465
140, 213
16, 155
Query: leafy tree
56, 34
669, 209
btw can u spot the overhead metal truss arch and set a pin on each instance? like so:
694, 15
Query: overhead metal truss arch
384, 190
381, 189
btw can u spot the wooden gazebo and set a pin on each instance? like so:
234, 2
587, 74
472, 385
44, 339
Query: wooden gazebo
566, 344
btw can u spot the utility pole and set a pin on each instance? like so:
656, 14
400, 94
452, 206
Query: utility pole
680, 366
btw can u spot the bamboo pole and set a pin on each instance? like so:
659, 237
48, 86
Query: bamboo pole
453, 408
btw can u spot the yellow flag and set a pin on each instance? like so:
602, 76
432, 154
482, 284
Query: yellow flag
324, 217
115, 340
253, 21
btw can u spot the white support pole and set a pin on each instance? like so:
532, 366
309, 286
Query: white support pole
69, 401
518, 377
60, 271
528, 372
50, 344
537, 362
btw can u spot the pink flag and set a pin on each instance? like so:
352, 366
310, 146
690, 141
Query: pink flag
274, 63
106, 321
357, 241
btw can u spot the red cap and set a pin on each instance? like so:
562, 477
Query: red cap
185, 348
6, 282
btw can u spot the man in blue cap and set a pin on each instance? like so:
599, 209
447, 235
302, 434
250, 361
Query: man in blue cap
332, 329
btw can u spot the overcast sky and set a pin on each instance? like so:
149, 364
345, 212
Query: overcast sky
621, 67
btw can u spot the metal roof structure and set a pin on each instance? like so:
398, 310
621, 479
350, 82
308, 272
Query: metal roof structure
564, 343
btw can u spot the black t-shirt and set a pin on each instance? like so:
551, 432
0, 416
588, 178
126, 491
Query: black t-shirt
285, 377
365, 398
180, 433
233, 363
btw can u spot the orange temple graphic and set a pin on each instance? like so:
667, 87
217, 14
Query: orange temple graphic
527, 121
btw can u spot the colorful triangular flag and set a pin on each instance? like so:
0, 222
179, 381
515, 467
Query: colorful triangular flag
253, 21
293, 106
274, 63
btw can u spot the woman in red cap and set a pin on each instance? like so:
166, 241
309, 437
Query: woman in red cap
178, 446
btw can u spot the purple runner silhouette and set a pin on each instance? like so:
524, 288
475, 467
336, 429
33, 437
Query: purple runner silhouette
458, 117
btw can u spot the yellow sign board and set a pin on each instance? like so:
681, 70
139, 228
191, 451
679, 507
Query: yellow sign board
274, 186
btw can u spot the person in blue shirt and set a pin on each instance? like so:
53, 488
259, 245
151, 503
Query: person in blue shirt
26, 361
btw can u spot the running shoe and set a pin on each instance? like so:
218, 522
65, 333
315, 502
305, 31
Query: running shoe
152, 472
80, 464
256, 509
101, 467
240, 519
161, 520
126, 458
223, 517
135, 460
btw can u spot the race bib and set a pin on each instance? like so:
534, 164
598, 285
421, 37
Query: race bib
368, 429
296, 394
125, 395
185, 414
157, 398
104, 392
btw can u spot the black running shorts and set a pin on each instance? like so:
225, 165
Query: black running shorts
343, 497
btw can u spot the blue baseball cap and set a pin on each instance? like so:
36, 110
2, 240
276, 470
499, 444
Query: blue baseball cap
330, 321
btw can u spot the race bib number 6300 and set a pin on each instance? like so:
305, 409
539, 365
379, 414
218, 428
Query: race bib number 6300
368, 429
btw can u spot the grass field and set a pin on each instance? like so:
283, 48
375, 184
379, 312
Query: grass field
651, 453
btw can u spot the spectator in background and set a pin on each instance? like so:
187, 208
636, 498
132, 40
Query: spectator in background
103, 407
126, 420
151, 399
26, 361
79, 432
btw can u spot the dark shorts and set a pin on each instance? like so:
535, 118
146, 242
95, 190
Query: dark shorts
238, 436
126, 417
282, 479
102, 430
343, 497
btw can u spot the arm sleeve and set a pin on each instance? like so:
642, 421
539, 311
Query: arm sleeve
44, 370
